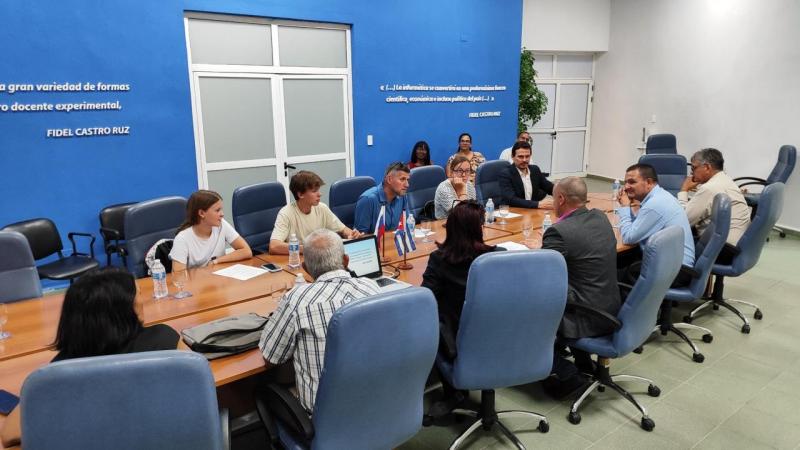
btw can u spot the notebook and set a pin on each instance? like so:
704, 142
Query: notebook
365, 262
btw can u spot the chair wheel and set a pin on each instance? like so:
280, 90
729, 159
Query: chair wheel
574, 418
601, 388
638, 350
746, 329
653, 390
782, 234
648, 424
715, 306
707, 338
758, 315
544, 427
687, 319
698, 357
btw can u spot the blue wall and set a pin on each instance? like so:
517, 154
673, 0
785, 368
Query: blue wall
460, 42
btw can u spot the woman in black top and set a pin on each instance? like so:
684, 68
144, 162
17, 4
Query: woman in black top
98, 318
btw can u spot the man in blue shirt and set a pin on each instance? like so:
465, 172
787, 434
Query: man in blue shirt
647, 209
391, 193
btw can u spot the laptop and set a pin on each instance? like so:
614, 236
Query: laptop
365, 262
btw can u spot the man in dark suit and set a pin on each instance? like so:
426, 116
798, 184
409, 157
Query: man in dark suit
586, 240
522, 184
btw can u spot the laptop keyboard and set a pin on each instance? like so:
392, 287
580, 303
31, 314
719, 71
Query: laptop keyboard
384, 281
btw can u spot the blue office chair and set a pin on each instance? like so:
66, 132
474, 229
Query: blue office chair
661, 143
44, 240
378, 354
486, 181
787, 157
255, 208
163, 399
634, 322
343, 197
18, 276
706, 249
671, 170
747, 250
422, 186
147, 222
507, 331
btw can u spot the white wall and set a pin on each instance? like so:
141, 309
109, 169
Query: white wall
565, 25
716, 73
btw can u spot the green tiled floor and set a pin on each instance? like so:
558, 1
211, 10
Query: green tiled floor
745, 395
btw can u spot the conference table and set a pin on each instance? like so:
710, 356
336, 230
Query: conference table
32, 323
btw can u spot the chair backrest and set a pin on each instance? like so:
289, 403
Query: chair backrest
255, 208
787, 156
422, 186
19, 278
344, 194
770, 206
508, 323
147, 222
486, 181
379, 352
661, 143
661, 262
671, 170
164, 399
42, 236
113, 217
710, 243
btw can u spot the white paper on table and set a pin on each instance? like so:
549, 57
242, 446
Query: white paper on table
421, 233
241, 272
510, 215
509, 245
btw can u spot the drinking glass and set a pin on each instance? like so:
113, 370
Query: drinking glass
3, 320
179, 280
526, 231
503, 213
425, 228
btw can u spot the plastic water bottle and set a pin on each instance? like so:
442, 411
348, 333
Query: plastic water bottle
546, 223
160, 289
615, 194
410, 225
299, 280
490, 211
294, 251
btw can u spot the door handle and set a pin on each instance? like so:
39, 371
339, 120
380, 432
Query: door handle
288, 166
554, 134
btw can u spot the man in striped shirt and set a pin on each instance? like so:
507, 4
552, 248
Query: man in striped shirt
299, 326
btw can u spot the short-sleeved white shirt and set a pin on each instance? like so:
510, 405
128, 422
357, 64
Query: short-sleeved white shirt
291, 220
194, 251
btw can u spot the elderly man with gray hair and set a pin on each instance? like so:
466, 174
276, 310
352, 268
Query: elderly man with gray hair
586, 239
300, 324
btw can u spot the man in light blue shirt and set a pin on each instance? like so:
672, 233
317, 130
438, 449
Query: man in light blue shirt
647, 209
390, 193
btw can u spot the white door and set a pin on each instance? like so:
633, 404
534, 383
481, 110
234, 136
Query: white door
561, 136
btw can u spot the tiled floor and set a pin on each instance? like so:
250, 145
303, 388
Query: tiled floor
745, 395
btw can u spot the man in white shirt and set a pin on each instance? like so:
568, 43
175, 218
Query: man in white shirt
305, 215
708, 179
523, 136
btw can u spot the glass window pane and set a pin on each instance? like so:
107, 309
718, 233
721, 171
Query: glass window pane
329, 171
574, 66
568, 156
226, 181
572, 105
237, 118
217, 42
312, 47
543, 64
314, 116
542, 146
548, 118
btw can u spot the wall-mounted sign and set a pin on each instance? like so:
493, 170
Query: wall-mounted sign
444, 94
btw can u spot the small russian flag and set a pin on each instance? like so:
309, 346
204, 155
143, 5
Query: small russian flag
380, 228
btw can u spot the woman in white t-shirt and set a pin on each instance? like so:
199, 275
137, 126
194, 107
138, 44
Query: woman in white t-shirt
203, 236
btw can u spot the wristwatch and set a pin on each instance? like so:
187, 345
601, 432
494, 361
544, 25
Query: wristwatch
213, 260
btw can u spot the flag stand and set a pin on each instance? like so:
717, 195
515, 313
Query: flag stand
405, 265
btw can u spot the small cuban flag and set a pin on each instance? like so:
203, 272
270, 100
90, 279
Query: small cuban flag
402, 238
380, 228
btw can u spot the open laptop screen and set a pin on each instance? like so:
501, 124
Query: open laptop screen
363, 253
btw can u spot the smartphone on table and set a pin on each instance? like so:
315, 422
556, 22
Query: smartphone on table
7, 401
271, 267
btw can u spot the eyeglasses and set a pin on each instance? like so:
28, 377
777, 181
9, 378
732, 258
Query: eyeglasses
463, 172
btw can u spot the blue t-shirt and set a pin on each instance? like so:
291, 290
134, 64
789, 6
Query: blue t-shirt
369, 206
658, 211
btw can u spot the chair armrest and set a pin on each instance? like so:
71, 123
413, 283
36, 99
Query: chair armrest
689, 271
276, 402
761, 180
734, 249
110, 233
225, 427
592, 311
71, 237
624, 288
753, 183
